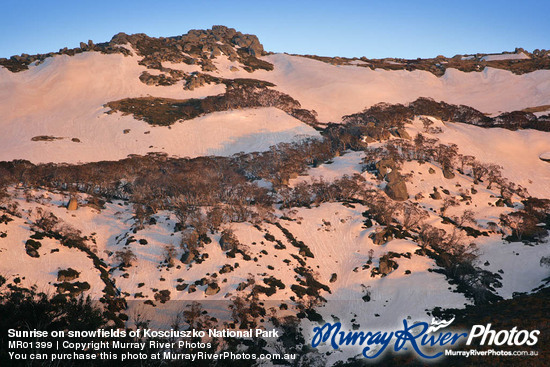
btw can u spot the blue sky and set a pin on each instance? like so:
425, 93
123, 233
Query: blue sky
374, 29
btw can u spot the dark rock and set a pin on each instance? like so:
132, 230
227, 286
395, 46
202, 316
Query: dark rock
448, 173
181, 287
188, 257
397, 190
386, 266
212, 289
436, 194
384, 166
162, 296
402, 133
67, 275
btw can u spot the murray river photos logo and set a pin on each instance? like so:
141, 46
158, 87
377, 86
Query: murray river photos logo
428, 341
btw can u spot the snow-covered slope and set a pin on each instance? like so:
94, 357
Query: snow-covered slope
301, 242
517, 152
498, 57
334, 91
63, 97
114, 137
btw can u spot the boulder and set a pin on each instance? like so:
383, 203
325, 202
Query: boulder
403, 134
396, 188
448, 173
162, 296
385, 166
73, 204
212, 289
188, 257
436, 195
382, 237
545, 157
67, 275
182, 287
386, 266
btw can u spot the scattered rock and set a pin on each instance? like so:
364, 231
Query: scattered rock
73, 204
212, 289
448, 173
31, 247
436, 195
188, 257
67, 275
386, 266
181, 287
402, 133
162, 296
385, 166
397, 190
381, 237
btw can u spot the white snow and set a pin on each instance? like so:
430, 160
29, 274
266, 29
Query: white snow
220, 133
334, 91
516, 151
498, 57
64, 97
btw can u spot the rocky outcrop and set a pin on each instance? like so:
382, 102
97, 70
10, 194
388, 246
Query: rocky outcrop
537, 60
396, 187
381, 237
161, 79
195, 47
